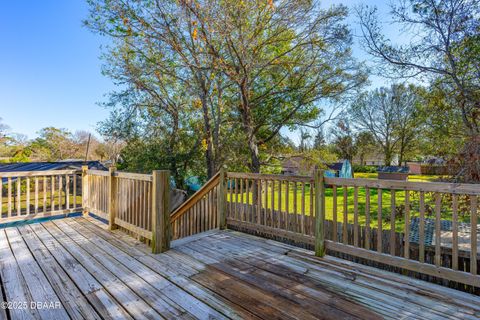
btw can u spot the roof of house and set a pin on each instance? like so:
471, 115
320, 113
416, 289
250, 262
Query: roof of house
393, 169
337, 166
44, 166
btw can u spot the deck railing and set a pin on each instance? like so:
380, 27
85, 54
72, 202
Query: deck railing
423, 228
364, 218
39, 194
199, 212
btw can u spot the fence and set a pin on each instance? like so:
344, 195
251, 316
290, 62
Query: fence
31, 195
429, 229
366, 219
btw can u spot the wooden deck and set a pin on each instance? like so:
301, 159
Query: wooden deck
74, 268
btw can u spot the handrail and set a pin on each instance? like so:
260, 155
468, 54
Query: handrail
15, 174
445, 187
207, 187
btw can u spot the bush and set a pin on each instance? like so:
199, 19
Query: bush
365, 169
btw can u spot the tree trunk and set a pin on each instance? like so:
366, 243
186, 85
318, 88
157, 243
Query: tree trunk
249, 128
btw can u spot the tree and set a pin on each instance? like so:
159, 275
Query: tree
277, 59
157, 53
319, 141
445, 47
305, 137
343, 140
364, 145
390, 116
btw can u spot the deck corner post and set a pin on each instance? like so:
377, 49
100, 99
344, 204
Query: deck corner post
221, 199
112, 198
160, 211
319, 213
85, 191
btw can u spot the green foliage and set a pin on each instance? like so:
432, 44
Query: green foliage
364, 169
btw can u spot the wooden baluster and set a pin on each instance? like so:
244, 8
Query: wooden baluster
272, 210
367, 218
9, 197
265, 212
287, 209
248, 207
454, 232
45, 194
230, 206
52, 193
335, 218
310, 225
236, 213
259, 201
355, 217
473, 234
28, 196
393, 209
242, 202
60, 198
280, 211
36, 195
19, 196
438, 208
67, 191
319, 213
421, 233
303, 209
379, 221
75, 191
295, 209
406, 253
345, 215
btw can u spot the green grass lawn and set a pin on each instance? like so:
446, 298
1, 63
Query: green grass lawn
298, 206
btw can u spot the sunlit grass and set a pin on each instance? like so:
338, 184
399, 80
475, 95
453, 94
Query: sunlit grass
304, 205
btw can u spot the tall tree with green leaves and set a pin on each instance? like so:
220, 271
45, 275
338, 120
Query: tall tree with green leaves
277, 57
444, 48
391, 116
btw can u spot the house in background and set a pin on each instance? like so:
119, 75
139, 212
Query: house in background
372, 159
302, 166
341, 169
297, 165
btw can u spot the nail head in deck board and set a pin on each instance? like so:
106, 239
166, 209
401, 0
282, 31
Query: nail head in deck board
161, 234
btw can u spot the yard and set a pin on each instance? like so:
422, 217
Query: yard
297, 205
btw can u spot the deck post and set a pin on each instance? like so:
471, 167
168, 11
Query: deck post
160, 211
84, 191
112, 197
221, 199
319, 213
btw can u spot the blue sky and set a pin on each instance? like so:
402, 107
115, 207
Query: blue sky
50, 72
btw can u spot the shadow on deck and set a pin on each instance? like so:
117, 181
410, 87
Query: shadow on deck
75, 268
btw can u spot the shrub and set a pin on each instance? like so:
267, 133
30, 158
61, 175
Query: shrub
365, 169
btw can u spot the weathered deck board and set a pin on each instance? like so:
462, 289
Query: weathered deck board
96, 273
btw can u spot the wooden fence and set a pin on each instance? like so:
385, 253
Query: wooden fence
199, 212
328, 214
39, 194
369, 221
